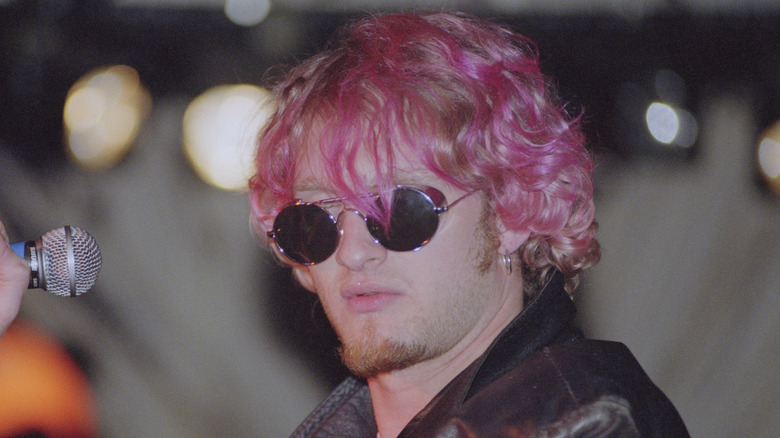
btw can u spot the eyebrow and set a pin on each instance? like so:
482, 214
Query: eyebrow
412, 178
306, 185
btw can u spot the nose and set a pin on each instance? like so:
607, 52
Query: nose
357, 250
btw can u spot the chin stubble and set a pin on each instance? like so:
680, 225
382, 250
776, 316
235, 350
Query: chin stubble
373, 355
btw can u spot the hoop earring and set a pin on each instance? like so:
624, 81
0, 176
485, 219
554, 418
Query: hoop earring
507, 259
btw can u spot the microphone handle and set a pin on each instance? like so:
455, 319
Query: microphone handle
32, 252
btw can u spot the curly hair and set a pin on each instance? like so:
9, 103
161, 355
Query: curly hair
467, 97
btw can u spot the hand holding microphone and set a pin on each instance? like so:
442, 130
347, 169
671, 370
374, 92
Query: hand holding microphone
14, 276
65, 261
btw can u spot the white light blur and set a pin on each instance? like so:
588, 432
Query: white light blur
103, 113
769, 158
768, 155
247, 12
219, 130
670, 125
662, 121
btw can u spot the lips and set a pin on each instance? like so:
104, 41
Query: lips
368, 297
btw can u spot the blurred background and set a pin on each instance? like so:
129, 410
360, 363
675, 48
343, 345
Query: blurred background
133, 120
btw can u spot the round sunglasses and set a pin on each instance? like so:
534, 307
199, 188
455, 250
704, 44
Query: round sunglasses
307, 233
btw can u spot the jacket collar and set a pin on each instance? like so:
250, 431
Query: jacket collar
546, 320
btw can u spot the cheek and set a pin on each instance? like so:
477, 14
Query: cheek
323, 282
462, 248
305, 278
450, 264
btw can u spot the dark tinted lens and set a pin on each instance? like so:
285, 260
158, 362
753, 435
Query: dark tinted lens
305, 233
413, 221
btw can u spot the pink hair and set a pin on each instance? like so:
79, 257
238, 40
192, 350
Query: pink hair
467, 97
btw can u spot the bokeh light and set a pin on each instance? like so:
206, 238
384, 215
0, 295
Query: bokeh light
653, 117
43, 391
219, 129
670, 125
769, 157
247, 12
103, 113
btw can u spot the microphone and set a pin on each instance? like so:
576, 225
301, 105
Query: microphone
65, 261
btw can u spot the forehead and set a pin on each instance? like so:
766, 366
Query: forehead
359, 172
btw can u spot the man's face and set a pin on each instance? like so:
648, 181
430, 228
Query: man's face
396, 309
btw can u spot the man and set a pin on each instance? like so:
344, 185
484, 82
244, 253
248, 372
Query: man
422, 179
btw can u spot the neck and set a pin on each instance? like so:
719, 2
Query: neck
398, 396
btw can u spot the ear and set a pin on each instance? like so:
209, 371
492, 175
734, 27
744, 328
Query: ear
300, 273
304, 277
511, 240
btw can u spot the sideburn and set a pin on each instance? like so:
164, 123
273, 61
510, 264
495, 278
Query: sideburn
488, 234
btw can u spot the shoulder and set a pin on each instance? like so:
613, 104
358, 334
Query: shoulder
594, 387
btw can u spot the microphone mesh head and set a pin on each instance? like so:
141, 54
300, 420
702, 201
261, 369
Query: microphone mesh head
87, 261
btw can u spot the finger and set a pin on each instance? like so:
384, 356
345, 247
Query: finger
4, 233
14, 275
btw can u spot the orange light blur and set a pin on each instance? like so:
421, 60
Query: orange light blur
42, 389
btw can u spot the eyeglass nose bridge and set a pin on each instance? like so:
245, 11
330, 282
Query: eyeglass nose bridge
374, 232
360, 214
349, 210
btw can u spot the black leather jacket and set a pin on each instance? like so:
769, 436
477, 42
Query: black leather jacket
540, 378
